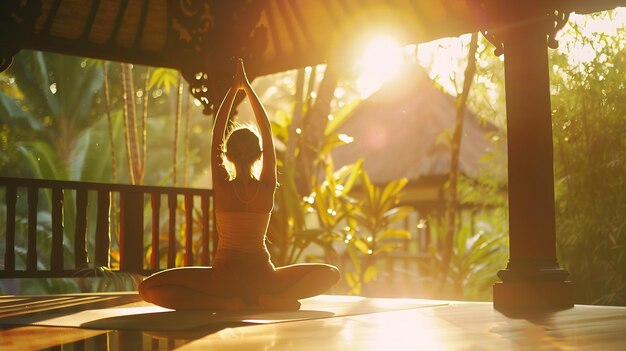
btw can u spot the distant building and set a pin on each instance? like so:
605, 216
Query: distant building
399, 132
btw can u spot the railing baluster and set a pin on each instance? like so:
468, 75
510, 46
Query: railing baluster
31, 253
56, 258
214, 235
155, 201
171, 248
80, 233
103, 238
131, 231
9, 254
188, 230
205, 228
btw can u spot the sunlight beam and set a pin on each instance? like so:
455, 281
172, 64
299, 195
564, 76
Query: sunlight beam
380, 62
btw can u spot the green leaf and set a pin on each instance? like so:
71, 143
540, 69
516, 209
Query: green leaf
395, 234
389, 247
340, 117
353, 177
309, 234
163, 78
398, 213
354, 258
12, 114
43, 160
391, 191
371, 273
361, 245
352, 278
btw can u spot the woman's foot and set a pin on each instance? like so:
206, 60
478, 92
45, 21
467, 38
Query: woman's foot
273, 303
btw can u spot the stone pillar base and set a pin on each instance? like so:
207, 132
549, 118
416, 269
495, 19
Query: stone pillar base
533, 296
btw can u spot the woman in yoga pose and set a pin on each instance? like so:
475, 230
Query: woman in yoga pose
242, 275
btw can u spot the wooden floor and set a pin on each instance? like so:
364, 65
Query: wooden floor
374, 324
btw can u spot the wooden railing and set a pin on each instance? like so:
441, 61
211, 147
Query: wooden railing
106, 211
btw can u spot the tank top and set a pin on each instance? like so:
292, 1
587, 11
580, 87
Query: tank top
242, 231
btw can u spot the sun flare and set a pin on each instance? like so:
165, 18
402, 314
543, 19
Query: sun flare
380, 62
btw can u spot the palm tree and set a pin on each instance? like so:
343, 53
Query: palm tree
135, 164
55, 104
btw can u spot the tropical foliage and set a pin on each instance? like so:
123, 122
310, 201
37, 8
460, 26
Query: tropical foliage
589, 125
60, 117
373, 230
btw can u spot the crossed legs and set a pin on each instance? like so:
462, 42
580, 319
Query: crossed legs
292, 283
208, 288
191, 288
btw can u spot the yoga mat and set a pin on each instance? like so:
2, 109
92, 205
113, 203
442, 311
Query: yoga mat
144, 316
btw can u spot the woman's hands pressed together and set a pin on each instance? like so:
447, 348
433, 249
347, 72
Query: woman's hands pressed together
240, 79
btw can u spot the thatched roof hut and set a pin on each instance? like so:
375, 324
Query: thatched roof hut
399, 131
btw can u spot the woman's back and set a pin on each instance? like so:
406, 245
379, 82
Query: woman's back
251, 196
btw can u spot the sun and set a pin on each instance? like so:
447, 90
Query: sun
379, 63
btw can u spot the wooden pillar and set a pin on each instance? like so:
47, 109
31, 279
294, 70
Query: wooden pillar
532, 278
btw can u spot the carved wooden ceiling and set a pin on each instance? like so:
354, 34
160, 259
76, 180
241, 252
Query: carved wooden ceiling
200, 37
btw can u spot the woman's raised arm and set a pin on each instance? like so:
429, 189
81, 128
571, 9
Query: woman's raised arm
219, 173
268, 174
